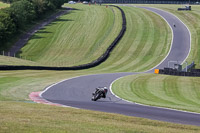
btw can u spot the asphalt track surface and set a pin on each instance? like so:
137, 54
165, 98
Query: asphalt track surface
77, 92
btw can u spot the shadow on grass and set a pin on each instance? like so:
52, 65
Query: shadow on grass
64, 8
41, 31
76, 9
60, 19
36, 37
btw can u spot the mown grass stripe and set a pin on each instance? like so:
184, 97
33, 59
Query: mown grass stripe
154, 86
144, 49
142, 38
134, 45
103, 26
141, 90
149, 53
188, 96
172, 91
120, 52
160, 90
102, 37
127, 47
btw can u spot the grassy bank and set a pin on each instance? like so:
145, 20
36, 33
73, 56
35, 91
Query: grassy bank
145, 43
17, 85
30, 117
161, 90
67, 41
78, 37
6, 60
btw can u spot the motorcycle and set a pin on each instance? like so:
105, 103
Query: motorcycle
99, 93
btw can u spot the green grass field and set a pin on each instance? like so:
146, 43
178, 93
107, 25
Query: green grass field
145, 43
181, 93
61, 44
68, 42
21, 117
3, 5
18, 114
5, 60
78, 37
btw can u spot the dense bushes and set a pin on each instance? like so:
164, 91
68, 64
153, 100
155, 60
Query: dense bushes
7, 26
22, 12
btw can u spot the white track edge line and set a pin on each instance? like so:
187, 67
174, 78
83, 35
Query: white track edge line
185, 26
171, 40
47, 88
54, 85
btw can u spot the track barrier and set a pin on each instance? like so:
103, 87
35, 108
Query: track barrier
171, 71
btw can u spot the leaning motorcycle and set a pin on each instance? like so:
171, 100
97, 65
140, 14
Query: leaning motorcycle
97, 95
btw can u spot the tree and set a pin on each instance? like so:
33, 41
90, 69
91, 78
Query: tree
7, 27
40, 6
22, 12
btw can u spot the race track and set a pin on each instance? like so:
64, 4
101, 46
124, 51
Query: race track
77, 92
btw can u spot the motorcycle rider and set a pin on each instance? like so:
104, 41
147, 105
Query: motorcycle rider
104, 91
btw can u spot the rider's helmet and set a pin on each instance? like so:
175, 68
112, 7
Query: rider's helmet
105, 89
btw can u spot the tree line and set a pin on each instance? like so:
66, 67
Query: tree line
22, 12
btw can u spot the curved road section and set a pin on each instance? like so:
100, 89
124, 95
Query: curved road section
77, 92
181, 38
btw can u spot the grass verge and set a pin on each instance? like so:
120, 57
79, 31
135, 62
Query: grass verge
17, 85
78, 37
31, 117
181, 93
